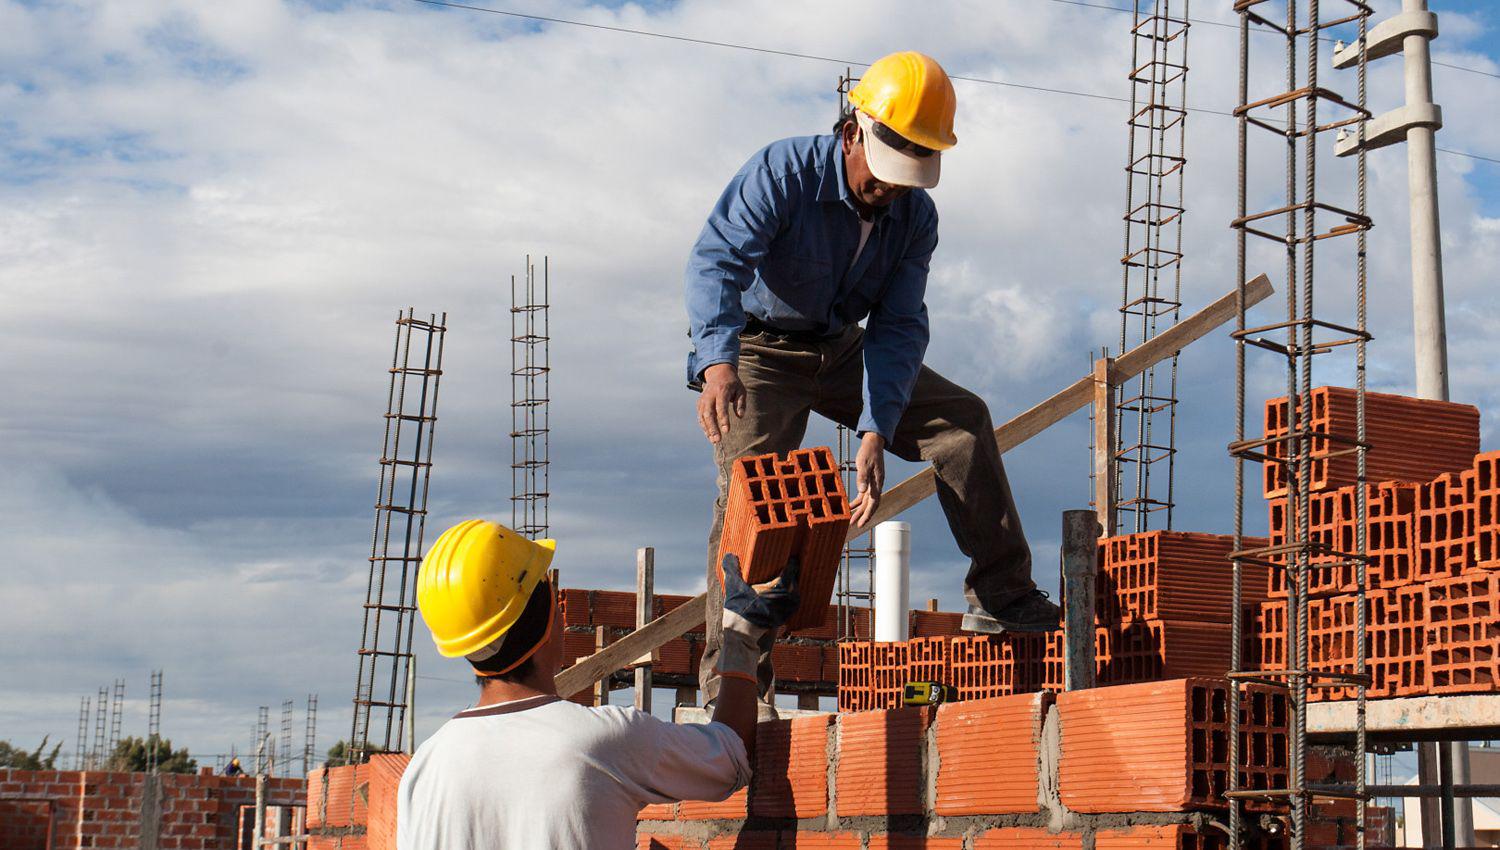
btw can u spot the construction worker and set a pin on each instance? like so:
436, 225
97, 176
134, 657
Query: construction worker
811, 236
233, 768
525, 768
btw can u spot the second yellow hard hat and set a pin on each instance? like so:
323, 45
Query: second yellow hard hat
474, 584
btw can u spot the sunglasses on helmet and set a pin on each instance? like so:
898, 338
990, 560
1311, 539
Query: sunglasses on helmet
895, 140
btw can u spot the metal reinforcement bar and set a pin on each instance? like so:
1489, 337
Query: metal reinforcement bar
1079, 394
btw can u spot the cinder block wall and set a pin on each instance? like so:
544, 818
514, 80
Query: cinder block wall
96, 809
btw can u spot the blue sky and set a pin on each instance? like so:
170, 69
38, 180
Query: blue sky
211, 220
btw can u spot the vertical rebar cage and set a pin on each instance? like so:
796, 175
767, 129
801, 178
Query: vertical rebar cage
390, 610
859, 553
153, 725
310, 734
81, 755
1151, 289
530, 406
1286, 120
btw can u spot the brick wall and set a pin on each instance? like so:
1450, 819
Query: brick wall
1019, 771
96, 809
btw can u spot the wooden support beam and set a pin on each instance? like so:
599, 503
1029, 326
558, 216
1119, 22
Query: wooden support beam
679, 620
601, 685
1106, 467
645, 596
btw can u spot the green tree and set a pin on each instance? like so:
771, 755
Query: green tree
15, 757
132, 755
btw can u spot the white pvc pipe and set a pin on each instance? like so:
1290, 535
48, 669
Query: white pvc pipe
892, 580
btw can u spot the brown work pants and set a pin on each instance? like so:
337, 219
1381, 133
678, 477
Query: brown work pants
944, 425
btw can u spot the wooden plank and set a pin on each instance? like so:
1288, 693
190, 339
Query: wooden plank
1081, 392
678, 621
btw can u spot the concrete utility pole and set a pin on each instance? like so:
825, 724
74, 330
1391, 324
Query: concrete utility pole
1410, 33
1416, 123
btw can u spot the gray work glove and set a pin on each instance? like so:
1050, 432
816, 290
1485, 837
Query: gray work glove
749, 615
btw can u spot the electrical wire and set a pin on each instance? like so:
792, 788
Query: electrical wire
1225, 24
448, 4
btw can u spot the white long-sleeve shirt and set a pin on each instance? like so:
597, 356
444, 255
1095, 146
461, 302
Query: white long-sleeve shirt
547, 774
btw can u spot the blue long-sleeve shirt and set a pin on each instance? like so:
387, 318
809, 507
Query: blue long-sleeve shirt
779, 245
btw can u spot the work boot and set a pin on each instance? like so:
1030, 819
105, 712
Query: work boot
1033, 612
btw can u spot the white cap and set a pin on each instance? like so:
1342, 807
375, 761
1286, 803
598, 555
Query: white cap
896, 166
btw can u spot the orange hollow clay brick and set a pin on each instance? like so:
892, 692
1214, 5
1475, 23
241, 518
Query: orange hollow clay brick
821, 841
733, 807
648, 841
1463, 634
880, 762
914, 842
791, 768
988, 757
1163, 746
1177, 836
754, 840
780, 508
1487, 510
1027, 838
1171, 575
1410, 439
1446, 520
657, 811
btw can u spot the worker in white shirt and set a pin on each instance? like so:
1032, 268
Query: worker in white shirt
525, 768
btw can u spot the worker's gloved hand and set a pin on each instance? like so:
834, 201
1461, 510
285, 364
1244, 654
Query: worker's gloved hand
749, 614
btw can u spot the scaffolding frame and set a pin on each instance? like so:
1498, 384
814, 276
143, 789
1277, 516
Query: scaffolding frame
262, 730
530, 406
309, 733
859, 550
153, 722
97, 755
1145, 411
80, 743
286, 738
400, 522
1294, 225
116, 709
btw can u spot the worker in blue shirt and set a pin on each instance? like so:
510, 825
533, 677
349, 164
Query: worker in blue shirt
813, 235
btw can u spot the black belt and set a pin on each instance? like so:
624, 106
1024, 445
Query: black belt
756, 326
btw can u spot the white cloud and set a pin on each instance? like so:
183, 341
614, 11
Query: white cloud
212, 218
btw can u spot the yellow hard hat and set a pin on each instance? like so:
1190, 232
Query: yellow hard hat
910, 93
474, 584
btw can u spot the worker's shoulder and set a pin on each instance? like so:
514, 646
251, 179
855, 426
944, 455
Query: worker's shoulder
795, 157
921, 209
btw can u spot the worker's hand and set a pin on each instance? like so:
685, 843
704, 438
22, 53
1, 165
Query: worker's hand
755, 610
869, 477
722, 393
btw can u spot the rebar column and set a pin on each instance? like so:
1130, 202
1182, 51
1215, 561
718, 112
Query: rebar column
1145, 419
390, 611
1291, 444
531, 405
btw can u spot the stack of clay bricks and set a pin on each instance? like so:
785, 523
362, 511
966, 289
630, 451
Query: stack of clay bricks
778, 508
1131, 766
1162, 612
1432, 526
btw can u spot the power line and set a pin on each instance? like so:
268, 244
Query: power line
851, 62
1227, 25
1469, 155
